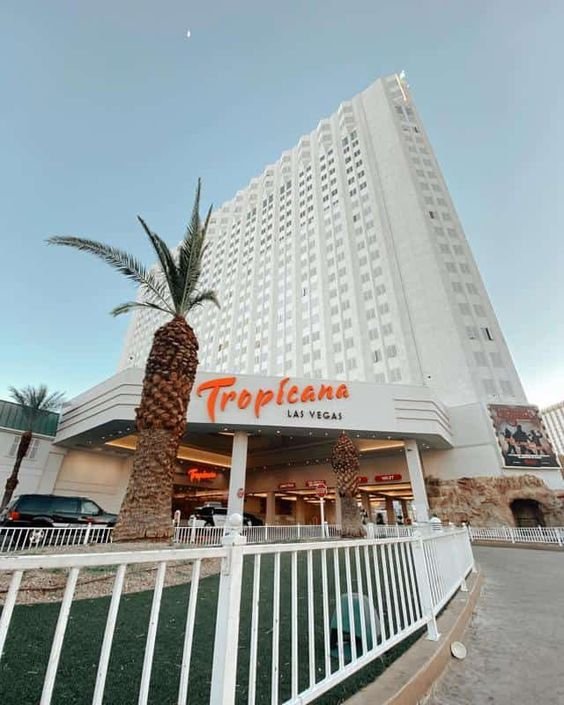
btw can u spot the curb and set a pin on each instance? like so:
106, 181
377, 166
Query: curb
409, 679
517, 544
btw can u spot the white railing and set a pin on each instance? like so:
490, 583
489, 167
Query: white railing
278, 624
520, 534
213, 535
15, 538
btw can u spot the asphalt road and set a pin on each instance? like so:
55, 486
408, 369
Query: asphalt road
515, 641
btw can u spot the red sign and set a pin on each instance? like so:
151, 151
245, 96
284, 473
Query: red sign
197, 475
287, 486
387, 478
362, 480
315, 483
321, 490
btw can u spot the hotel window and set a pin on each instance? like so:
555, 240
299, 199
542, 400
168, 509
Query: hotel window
391, 351
479, 310
486, 333
489, 386
506, 387
480, 359
472, 332
464, 309
339, 367
31, 451
376, 355
395, 375
370, 313
351, 364
495, 357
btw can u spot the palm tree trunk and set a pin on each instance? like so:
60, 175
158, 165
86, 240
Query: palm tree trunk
146, 511
12, 481
345, 462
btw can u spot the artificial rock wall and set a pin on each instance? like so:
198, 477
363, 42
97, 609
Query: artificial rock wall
486, 501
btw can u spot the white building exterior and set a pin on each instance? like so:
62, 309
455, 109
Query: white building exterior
346, 260
553, 417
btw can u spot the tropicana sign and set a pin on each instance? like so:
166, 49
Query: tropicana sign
281, 395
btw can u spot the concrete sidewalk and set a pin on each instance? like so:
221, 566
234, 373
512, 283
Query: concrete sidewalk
515, 640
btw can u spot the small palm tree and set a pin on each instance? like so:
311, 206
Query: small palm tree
34, 401
345, 463
172, 288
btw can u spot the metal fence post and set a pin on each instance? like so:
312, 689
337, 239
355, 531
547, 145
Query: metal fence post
512, 533
87, 534
226, 644
424, 585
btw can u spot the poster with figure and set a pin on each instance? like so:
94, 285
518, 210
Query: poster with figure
522, 437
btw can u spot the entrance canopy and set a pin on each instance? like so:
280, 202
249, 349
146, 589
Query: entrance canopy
286, 406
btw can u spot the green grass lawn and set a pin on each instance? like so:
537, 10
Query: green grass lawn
23, 666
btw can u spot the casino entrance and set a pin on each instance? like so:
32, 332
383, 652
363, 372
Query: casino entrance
281, 473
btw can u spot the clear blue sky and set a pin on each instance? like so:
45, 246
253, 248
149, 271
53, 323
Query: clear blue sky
108, 110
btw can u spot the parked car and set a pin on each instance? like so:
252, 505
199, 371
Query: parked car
49, 510
212, 515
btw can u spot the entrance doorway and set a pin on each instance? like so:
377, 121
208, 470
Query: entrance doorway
527, 512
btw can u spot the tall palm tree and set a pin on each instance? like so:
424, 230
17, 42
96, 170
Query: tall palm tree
34, 402
345, 463
172, 288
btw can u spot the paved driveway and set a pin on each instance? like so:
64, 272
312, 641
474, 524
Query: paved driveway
515, 641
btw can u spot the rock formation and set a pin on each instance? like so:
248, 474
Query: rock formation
486, 501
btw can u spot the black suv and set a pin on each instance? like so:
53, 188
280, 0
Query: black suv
54, 510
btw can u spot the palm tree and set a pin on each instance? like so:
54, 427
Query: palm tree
345, 463
171, 288
34, 401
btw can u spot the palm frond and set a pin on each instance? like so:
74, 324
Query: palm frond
131, 305
166, 260
201, 297
119, 259
192, 250
35, 400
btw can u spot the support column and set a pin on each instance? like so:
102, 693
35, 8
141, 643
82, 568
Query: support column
417, 479
404, 510
390, 514
338, 510
270, 508
300, 510
366, 504
236, 500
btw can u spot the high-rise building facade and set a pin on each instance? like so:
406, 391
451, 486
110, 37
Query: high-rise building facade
553, 417
346, 260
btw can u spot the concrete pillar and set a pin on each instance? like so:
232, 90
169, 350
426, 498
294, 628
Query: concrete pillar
338, 511
366, 504
270, 508
417, 479
300, 510
404, 510
236, 500
390, 514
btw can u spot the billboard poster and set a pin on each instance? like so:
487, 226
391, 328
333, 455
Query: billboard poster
522, 437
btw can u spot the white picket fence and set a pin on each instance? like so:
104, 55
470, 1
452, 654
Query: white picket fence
14, 539
213, 535
21, 538
522, 534
291, 620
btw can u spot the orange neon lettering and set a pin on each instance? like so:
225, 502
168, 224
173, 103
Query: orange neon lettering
227, 397
325, 390
308, 393
280, 395
214, 385
293, 394
342, 392
263, 397
244, 399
